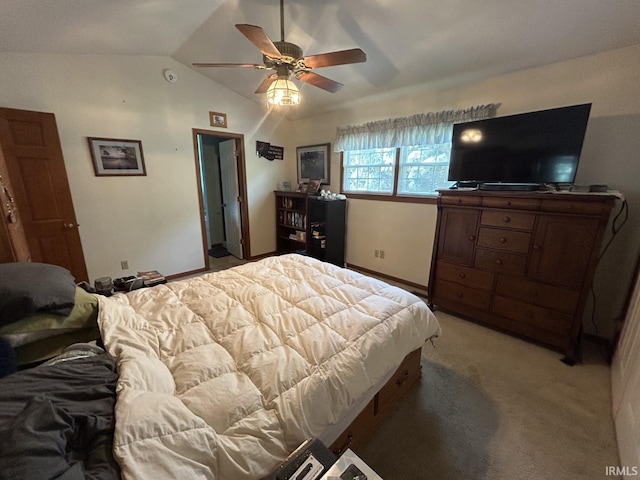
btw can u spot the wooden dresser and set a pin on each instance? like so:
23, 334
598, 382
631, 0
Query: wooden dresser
519, 261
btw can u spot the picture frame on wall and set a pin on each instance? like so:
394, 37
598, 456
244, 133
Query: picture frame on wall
117, 157
314, 163
218, 119
313, 186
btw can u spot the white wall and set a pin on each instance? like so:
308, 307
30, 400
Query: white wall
152, 221
610, 156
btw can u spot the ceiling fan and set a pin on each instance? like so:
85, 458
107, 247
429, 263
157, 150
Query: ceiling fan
286, 59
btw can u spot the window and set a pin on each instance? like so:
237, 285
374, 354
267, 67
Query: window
369, 171
424, 169
421, 170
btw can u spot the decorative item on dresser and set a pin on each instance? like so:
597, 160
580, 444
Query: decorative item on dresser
519, 261
311, 225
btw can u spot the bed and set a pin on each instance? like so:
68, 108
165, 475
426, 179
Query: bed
224, 374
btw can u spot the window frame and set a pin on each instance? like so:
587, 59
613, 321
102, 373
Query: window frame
394, 196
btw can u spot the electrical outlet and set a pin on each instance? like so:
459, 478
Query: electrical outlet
376, 253
124, 264
381, 253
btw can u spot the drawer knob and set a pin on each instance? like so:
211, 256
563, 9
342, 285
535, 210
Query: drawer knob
404, 378
472, 238
502, 240
536, 247
461, 275
459, 294
506, 219
498, 262
459, 200
340, 450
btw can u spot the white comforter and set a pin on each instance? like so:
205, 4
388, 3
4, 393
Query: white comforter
222, 375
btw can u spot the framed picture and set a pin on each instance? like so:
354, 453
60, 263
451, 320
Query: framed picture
115, 157
313, 186
217, 119
314, 162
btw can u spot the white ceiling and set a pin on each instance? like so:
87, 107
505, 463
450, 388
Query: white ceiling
407, 42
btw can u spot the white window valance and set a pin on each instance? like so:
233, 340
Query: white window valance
420, 129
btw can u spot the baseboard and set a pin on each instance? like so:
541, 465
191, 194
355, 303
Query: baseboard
597, 339
253, 258
388, 277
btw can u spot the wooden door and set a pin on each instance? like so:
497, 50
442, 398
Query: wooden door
33, 158
562, 249
13, 242
231, 197
457, 235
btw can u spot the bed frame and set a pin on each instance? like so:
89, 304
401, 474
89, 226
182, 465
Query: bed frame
382, 404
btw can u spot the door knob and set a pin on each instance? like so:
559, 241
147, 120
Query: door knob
68, 226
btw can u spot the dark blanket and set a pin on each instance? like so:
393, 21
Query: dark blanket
57, 421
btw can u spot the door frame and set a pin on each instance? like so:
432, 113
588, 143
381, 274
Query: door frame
242, 190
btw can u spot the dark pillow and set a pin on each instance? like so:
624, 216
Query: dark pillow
27, 288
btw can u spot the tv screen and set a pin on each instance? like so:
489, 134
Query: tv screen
535, 147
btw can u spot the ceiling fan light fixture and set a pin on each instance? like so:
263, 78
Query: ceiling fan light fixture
283, 92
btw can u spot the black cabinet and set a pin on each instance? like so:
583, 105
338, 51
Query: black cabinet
311, 226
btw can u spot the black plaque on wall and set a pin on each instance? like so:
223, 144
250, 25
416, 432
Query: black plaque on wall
268, 151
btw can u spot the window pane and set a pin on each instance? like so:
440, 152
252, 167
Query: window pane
369, 171
424, 169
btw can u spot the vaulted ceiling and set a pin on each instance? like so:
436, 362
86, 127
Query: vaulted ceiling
407, 42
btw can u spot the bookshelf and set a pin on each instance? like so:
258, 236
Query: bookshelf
311, 226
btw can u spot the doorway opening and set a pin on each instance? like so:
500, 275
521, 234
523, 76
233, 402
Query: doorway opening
222, 195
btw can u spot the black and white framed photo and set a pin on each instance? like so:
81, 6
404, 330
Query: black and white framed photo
314, 162
115, 157
218, 119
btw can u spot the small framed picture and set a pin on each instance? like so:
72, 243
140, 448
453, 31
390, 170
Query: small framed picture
313, 185
314, 162
217, 119
115, 157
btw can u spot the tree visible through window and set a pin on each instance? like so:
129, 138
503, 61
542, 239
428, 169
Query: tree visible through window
369, 171
422, 170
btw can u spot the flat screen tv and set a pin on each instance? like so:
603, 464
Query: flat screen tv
540, 147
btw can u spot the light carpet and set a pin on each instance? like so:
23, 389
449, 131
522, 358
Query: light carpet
492, 406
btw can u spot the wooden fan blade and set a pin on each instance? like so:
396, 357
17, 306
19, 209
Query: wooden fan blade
343, 57
244, 65
260, 39
266, 83
319, 81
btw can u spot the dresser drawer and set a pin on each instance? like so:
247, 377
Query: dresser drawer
357, 433
574, 206
466, 200
507, 240
407, 374
461, 294
555, 298
508, 219
532, 315
517, 203
467, 276
500, 262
